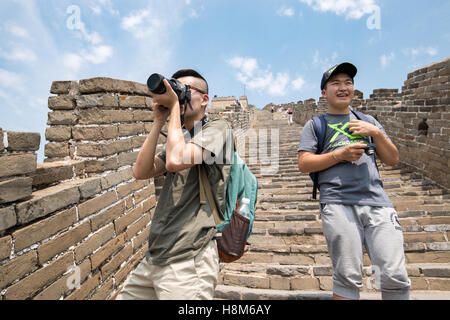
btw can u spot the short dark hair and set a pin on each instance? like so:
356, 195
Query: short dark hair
190, 73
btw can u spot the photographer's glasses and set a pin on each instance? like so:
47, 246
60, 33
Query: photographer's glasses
197, 90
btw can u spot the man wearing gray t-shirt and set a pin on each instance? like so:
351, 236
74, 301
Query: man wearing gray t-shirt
355, 209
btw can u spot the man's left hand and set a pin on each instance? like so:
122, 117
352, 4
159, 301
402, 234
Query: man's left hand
363, 128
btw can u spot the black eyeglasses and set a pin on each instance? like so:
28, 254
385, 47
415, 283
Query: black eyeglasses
198, 90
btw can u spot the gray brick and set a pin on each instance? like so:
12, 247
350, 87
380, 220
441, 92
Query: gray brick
47, 201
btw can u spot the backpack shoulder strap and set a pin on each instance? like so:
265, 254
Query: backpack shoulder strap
205, 187
320, 128
360, 116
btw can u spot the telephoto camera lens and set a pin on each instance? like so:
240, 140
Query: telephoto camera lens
155, 84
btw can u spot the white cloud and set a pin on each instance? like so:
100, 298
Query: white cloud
93, 38
285, 11
298, 83
95, 55
16, 30
134, 19
195, 13
352, 9
255, 78
4, 95
38, 104
246, 65
98, 54
420, 51
106, 4
386, 59
72, 61
142, 24
10, 79
159, 20
278, 87
156, 26
324, 63
21, 54
96, 9
431, 51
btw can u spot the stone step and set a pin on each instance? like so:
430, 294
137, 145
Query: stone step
267, 206
283, 198
311, 204
406, 218
276, 190
313, 251
312, 233
225, 292
287, 216
434, 270
268, 191
289, 240
292, 168
435, 277
272, 174
410, 220
396, 199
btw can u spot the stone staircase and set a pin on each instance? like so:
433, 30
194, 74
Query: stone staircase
288, 256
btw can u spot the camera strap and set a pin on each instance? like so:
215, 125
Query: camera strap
185, 100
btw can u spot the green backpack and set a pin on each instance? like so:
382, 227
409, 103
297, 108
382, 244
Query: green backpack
241, 183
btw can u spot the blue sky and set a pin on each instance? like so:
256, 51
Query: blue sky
278, 49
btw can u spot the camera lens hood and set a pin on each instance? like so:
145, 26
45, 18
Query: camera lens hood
155, 84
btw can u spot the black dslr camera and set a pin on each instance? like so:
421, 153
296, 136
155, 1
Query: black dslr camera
156, 85
370, 149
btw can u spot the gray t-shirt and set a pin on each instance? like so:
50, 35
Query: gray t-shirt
355, 183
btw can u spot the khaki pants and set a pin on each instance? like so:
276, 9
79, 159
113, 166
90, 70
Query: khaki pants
192, 279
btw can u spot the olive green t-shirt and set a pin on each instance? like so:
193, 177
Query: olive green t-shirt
181, 226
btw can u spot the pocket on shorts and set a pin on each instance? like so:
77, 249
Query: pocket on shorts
386, 216
395, 221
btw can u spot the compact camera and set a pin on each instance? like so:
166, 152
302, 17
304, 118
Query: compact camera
370, 149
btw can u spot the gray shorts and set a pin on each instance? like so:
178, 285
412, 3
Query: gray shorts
347, 228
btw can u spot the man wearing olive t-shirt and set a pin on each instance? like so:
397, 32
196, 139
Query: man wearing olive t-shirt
182, 262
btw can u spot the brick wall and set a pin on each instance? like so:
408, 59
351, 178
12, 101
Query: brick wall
425, 95
74, 226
